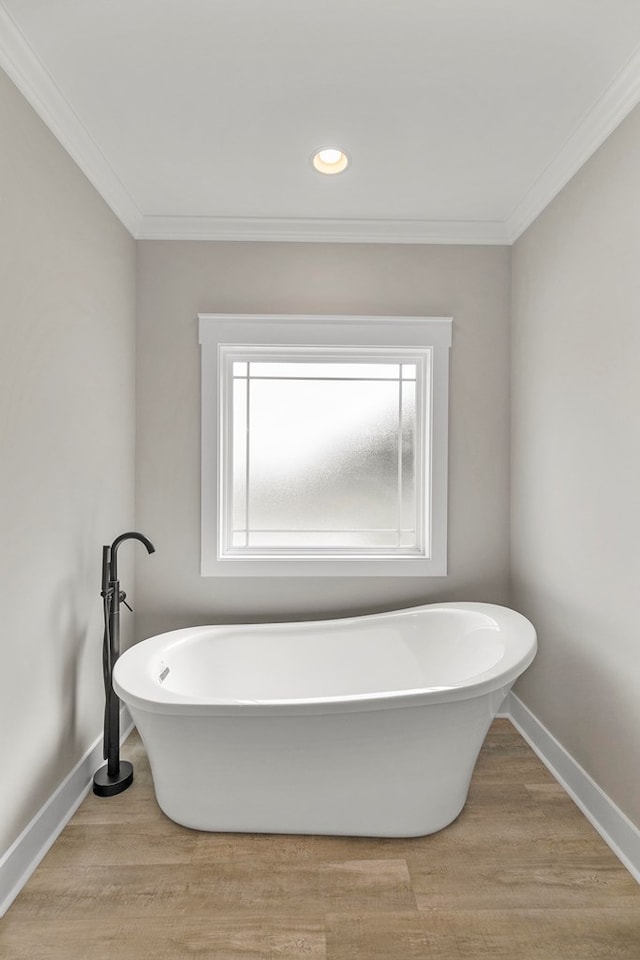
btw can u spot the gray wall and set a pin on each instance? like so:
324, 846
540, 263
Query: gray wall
576, 463
67, 301
177, 280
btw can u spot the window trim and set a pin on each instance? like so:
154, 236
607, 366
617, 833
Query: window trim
391, 333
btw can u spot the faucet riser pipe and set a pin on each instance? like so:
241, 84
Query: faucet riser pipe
117, 774
112, 746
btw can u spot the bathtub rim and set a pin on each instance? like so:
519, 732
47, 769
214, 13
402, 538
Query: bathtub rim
138, 686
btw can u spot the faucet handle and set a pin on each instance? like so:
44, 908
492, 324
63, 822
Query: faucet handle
123, 599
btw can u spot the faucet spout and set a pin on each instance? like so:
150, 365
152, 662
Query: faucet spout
130, 535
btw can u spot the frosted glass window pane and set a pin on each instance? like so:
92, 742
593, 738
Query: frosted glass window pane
323, 454
408, 371
240, 368
239, 455
325, 539
327, 370
408, 490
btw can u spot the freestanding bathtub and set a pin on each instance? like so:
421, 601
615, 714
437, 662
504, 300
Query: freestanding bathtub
366, 726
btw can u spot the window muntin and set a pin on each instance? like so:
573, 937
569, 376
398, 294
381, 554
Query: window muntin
319, 451
342, 347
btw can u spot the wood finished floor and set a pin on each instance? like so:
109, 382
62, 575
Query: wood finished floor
520, 875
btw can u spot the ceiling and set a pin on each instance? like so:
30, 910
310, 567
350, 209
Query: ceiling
198, 118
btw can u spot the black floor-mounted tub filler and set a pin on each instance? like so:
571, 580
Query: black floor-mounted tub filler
117, 774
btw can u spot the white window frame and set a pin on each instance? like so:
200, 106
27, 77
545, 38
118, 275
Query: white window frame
392, 337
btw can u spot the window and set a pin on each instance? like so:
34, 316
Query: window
324, 445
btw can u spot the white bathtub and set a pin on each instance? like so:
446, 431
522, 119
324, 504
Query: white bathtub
365, 726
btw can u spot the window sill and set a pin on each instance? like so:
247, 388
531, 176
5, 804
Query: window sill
330, 567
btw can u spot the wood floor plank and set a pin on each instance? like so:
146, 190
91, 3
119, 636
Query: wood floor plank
574, 879
216, 889
167, 938
557, 806
140, 807
132, 842
608, 934
499, 765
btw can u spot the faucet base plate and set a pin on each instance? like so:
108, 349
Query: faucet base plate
108, 786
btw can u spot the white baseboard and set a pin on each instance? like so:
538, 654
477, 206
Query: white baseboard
23, 856
615, 828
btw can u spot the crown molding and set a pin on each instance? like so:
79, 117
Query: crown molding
320, 230
24, 68
608, 111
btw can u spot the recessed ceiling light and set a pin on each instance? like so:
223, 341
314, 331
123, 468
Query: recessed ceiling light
330, 160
